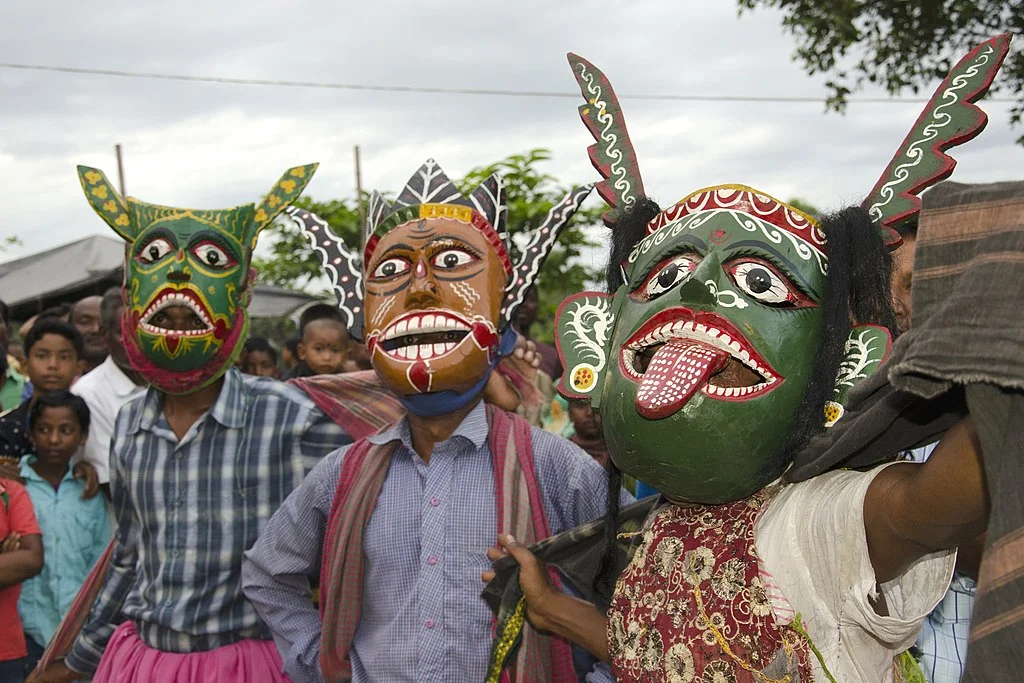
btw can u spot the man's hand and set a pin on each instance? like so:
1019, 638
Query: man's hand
549, 609
533, 579
87, 474
11, 543
57, 672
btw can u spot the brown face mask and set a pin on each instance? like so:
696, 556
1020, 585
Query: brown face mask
434, 291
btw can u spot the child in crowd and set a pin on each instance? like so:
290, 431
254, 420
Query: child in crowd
54, 350
260, 358
21, 558
323, 347
75, 530
290, 356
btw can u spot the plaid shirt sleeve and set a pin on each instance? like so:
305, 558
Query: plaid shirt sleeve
320, 437
84, 657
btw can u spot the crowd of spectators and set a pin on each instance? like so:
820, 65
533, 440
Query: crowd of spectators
64, 378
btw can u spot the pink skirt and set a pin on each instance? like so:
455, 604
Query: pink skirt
128, 660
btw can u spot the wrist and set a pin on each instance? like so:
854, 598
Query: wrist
550, 612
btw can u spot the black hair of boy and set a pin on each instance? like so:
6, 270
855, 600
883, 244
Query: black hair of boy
320, 312
49, 325
62, 398
261, 345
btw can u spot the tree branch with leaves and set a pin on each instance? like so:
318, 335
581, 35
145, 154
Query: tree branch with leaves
898, 45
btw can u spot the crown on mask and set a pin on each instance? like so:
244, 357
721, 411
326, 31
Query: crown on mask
431, 194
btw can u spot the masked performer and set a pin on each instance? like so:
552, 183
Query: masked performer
398, 524
710, 362
201, 461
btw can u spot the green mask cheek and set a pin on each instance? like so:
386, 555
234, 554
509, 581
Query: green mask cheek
711, 349
713, 450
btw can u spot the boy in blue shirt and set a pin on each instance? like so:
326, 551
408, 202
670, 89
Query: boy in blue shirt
75, 530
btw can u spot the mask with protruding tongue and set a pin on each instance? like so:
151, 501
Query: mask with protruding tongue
676, 372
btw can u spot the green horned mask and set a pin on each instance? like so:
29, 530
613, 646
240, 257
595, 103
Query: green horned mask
187, 278
700, 361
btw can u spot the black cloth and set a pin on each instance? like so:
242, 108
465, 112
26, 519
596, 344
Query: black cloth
577, 555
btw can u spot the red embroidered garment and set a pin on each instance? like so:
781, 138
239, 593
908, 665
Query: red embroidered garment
691, 606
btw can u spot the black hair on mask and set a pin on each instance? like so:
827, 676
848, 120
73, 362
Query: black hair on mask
626, 234
858, 292
629, 230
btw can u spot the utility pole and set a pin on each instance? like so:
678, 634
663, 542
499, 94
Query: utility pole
359, 203
120, 168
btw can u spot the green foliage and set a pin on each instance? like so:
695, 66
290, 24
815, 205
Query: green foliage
898, 44
292, 263
805, 206
530, 194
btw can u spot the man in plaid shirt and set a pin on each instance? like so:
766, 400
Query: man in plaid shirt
201, 461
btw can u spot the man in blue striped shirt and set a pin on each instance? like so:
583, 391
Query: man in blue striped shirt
398, 525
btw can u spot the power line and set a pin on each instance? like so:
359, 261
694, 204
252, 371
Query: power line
444, 91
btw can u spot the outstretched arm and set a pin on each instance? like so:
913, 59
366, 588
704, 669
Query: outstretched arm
913, 510
547, 608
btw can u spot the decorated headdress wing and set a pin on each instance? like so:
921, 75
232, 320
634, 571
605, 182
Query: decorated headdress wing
950, 118
537, 247
341, 265
129, 217
612, 154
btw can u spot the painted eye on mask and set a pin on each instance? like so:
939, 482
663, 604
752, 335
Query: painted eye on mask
765, 284
452, 258
212, 256
154, 250
390, 268
669, 274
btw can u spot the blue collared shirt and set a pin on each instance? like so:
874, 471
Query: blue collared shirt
425, 547
75, 534
187, 510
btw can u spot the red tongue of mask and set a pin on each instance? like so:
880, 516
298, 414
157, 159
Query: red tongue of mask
677, 371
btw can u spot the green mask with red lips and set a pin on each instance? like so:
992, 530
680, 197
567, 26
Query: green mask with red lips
194, 260
701, 361
710, 344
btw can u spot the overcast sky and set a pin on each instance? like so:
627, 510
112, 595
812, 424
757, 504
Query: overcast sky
213, 145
